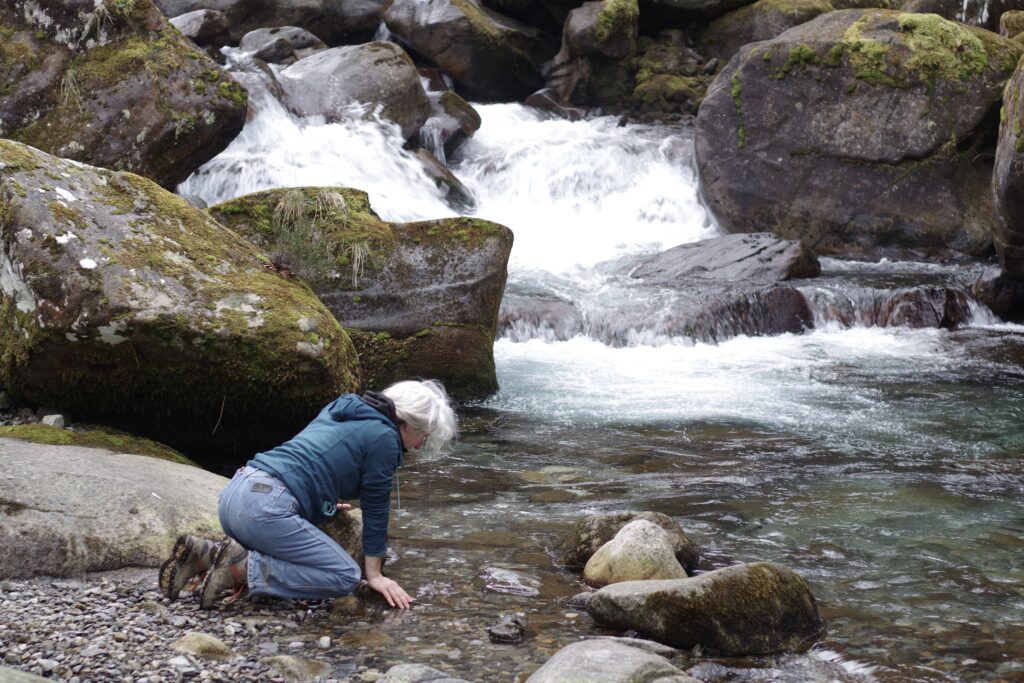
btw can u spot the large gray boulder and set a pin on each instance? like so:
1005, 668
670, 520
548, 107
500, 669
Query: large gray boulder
606, 661
66, 510
488, 55
859, 132
659, 13
763, 20
748, 609
1007, 180
419, 299
593, 531
336, 23
126, 306
377, 74
641, 550
758, 257
113, 85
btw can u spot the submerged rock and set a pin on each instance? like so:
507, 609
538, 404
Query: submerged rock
809, 136
114, 85
640, 550
419, 299
511, 628
128, 307
748, 609
593, 531
607, 661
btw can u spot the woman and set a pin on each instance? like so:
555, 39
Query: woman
271, 508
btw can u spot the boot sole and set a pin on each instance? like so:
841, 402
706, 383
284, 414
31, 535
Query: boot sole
207, 602
169, 569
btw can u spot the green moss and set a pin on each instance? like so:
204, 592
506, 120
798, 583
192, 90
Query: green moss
231, 90
94, 437
665, 92
800, 56
16, 157
834, 57
615, 17
941, 48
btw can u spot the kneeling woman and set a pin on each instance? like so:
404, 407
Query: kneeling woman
271, 508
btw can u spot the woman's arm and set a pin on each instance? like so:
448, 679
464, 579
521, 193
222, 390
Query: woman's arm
392, 592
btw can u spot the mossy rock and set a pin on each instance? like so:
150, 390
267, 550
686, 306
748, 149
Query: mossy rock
113, 85
127, 306
763, 20
94, 437
884, 124
419, 299
1006, 180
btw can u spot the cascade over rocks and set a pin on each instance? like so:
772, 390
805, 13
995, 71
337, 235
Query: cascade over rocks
419, 299
113, 85
606, 661
126, 306
763, 20
809, 135
758, 257
1008, 180
748, 609
334, 22
593, 531
640, 550
488, 55
377, 74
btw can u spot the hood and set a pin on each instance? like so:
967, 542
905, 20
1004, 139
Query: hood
372, 405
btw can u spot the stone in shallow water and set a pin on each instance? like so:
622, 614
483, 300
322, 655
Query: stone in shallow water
417, 673
511, 628
605, 661
294, 669
641, 550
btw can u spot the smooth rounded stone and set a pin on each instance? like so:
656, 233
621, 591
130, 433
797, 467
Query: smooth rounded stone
295, 669
757, 257
640, 550
593, 531
281, 44
205, 27
747, 609
204, 646
579, 601
607, 28
607, 661
377, 76
764, 19
511, 628
417, 673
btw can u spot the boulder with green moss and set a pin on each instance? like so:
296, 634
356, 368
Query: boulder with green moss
861, 132
111, 83
128, 307
66, 510
418, 299
1007, 180
763, 20
748, 609
488, 55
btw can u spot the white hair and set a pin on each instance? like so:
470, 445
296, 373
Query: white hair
423, 405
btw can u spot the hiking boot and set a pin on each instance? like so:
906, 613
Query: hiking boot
190, 557
230, 572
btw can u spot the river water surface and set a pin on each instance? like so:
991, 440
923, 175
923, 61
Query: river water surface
883, 465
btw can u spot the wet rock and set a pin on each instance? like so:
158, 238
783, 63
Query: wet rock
748, 609
579, 601
204, 646
945, 307
604, 28
830, 96
757, 257
83, 521
282, 45
456, 195
607, 661
511, 628
128, 93
419, 299
206, 28
652, 646
1002, 293
763, 20
550, 101
454, 121
295, 669
416, 673
1008, 181
377, 75
153, 302
489, 56
593, 531
347, 607
640, 550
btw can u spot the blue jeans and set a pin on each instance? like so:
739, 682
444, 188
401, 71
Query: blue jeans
288, 556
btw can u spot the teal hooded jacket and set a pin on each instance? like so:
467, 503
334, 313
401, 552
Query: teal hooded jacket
350, 450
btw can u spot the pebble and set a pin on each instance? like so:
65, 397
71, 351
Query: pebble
323, 642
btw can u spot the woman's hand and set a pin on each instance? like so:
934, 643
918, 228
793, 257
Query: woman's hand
343, 506
392, 592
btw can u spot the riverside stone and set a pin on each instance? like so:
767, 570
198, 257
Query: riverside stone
593, 531
154, 304
858, 175
204, 646
416, 673
763, 20
605, 661
640, 550
748, 609
757, 257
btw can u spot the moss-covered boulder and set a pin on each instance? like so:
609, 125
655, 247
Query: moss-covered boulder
418, 299
111, 83
378, 75
1007, 180
93, 436
748, 609
763, 20
641, 550
126, 306
488, 55
1011, 24
861, 132
593, 531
